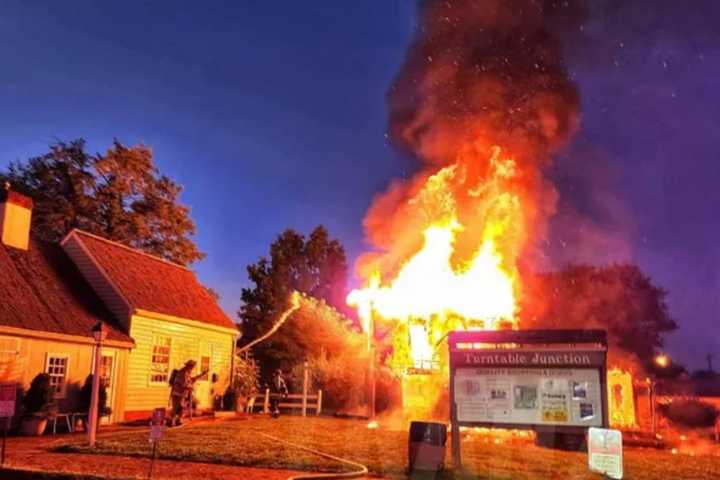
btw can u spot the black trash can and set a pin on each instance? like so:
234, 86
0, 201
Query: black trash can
426, 447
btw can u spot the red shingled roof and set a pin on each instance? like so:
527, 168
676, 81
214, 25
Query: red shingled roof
42, 290
153, 284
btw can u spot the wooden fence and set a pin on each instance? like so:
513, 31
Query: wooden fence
302, 402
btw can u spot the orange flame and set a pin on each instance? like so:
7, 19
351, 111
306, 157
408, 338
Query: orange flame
433, 292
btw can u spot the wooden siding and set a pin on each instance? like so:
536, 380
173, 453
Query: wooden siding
142, 395
31, 356
97, 279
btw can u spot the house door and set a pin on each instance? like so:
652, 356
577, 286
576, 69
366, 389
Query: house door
107, 377
202, 387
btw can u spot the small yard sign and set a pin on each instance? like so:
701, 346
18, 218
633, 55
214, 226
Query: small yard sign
7, 399
605, 452
157, 424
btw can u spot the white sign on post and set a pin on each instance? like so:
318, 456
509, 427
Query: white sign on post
157, 424
605, 452
7, 399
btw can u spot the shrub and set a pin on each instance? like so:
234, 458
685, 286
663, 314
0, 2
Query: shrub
341, 378
388, 391
245, 378
86, 397
690, 413
40, 398
229, 399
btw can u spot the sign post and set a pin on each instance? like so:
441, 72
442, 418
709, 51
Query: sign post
157, 427
7, 410
605, 455
550, 381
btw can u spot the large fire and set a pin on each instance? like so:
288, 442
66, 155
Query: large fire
447, 241
436, 290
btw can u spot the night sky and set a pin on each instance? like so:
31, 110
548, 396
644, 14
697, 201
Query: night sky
272, 115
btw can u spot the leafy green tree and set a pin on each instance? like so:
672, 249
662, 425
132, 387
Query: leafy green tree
315, 266
619, 298
120, 195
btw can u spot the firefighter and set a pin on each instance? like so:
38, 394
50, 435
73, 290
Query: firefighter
278, 387
181, 394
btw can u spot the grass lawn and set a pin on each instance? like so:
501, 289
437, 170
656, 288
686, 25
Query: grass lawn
384, 452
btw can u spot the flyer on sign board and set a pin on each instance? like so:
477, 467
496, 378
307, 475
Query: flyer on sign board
559, 396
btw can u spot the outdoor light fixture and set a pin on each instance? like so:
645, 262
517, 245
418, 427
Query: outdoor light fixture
662, 360
99, 332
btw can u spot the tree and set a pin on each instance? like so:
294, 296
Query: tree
315, 266
619, 299
120, 195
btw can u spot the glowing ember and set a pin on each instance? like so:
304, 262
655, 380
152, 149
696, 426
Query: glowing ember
372, 425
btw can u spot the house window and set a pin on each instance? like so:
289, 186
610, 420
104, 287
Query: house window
204, 367
9, 349
56, 368
106, 370
160, 360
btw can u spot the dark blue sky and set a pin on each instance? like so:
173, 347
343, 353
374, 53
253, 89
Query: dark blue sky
272, 114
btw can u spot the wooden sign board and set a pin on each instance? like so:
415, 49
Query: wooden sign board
7, 399
544, 380
157, 424
605, 453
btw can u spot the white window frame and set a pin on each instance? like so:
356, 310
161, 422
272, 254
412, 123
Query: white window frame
155, 342
62, 392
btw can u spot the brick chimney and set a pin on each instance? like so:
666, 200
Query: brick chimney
15, 216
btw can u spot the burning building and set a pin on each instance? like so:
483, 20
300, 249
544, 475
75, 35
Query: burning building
482, 101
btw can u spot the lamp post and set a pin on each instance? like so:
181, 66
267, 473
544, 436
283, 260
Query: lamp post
661, 361
99, 332
371, 365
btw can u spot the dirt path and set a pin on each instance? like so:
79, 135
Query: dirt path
32, 453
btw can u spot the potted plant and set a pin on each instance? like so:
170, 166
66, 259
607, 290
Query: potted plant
86, 398
38, 405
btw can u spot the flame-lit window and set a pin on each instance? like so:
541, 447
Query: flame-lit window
56, 367
106, 370
204, 367
160, 360
9, 349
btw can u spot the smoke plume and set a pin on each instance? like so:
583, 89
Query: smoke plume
487, 71
478, 74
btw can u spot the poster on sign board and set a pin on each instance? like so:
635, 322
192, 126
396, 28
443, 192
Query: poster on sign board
570, 397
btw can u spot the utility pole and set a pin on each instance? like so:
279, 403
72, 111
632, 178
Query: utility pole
99, 332
709, 360
371, 365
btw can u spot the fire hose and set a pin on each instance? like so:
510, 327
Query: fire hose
361, 471
294, 305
